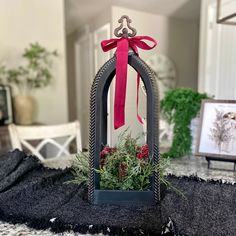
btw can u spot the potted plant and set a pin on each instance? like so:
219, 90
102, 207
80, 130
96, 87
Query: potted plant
123, 168
126, 166
179, 107
34, 74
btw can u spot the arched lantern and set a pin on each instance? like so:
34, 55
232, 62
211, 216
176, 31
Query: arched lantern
98, 128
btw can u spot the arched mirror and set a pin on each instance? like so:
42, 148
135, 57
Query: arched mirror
165, 72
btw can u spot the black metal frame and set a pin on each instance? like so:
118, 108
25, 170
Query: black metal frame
98, 133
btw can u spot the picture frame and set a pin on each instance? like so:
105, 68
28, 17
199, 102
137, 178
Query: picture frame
217, 132
6, 112
225, 12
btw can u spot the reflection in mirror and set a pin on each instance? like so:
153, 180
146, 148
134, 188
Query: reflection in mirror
165, 73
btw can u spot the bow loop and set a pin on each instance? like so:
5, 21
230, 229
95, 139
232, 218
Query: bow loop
138, 41
109, 44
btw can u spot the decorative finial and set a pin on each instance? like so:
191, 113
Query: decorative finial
125, 33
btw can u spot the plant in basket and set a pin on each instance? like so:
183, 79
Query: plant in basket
126, 166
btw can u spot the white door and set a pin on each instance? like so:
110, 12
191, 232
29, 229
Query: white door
100, 58
217, 57
84, 77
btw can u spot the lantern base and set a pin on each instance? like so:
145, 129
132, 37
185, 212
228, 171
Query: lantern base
120, 197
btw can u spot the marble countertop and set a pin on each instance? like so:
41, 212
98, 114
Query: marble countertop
195, 165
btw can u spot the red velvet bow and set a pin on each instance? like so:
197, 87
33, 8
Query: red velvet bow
123, 45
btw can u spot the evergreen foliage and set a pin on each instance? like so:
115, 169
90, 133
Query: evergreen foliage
124, 167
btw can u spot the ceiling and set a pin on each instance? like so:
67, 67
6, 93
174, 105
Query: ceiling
78, 12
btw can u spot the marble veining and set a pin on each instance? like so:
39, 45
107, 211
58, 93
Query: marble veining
195, 165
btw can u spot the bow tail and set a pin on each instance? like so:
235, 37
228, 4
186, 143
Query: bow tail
121, 82
137, 99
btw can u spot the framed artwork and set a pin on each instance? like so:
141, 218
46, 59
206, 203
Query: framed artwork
217, 133
225, 12
6, 114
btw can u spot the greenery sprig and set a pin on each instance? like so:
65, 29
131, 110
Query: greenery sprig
80, 169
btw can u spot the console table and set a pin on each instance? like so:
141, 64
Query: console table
5, 142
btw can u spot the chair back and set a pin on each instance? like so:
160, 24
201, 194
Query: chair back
23, 137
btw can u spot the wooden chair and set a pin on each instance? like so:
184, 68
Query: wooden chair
22, 137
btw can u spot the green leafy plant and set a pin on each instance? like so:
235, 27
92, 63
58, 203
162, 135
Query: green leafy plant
36, 73
179, 107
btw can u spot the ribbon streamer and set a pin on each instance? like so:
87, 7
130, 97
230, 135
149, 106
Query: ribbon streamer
123, 45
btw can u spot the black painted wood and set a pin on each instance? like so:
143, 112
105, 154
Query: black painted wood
98, 129
124, 197
224, 159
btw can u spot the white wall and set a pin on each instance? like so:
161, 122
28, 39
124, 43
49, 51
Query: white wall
98, 21
23, 22
84, 47
177, 38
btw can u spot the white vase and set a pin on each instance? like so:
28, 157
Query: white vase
23, 109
